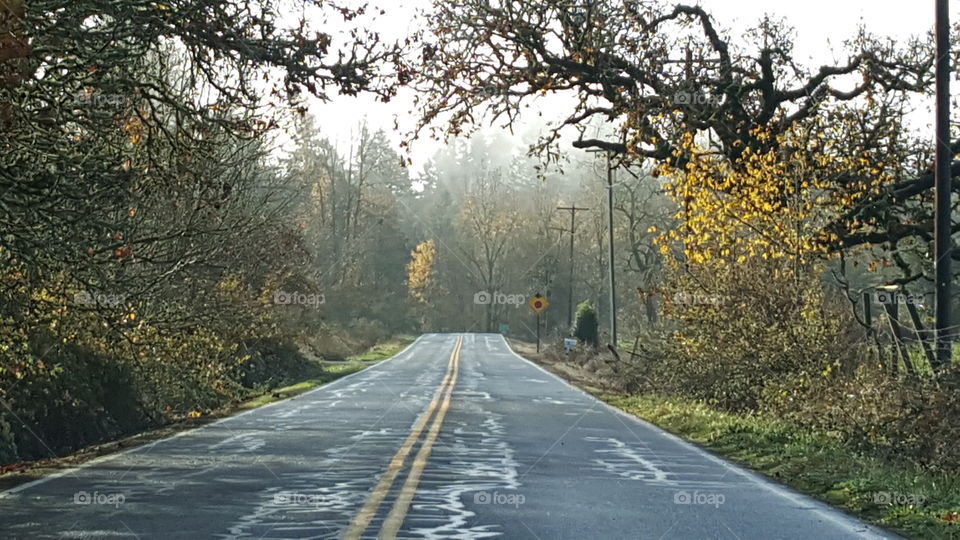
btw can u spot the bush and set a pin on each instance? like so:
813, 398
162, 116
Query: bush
71, 376
586, 326
764, 338
880, 414
736, 329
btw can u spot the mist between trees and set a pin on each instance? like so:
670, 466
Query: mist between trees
161, 257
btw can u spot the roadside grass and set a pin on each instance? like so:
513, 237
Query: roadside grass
330, 372
897, 495
382, 351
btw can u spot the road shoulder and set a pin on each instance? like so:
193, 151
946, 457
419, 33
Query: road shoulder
897, 496
14, 477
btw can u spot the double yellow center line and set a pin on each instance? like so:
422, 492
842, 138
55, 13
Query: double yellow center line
439, 405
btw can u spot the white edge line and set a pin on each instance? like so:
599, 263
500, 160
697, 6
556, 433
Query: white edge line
53, 476
849, 523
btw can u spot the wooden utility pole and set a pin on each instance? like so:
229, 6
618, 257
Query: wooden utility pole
943, 245
688, 62
610, 255
613, 282
573, 232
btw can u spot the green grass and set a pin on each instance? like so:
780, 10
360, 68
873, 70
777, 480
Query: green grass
813, 463
382, 351
331, 372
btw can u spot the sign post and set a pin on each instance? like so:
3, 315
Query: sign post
537, 304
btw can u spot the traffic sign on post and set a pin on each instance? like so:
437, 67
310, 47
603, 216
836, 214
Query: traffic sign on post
538, 303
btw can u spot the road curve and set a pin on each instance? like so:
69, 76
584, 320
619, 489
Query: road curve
455, 437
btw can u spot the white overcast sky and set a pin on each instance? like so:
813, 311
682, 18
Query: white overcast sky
821, 25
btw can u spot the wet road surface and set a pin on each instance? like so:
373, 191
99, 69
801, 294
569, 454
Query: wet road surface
455, 437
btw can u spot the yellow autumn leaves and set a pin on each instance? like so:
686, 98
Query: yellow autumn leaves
420, 270
765, 204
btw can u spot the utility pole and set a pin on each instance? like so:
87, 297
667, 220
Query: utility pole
613, 283
688, 62
573, 231
942, 188
610, 255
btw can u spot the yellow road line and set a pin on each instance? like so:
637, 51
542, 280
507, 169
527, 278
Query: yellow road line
400, 507
362, 520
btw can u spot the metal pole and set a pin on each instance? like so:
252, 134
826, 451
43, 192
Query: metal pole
538, 332
573, 227
942, 187
613, 283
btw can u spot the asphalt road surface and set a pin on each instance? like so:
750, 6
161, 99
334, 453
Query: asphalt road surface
455, 437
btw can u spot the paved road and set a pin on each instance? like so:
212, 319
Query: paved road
456, 437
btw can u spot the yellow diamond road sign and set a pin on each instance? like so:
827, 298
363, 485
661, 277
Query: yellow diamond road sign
538, 304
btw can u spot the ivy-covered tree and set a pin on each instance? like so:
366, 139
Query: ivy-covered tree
586, 325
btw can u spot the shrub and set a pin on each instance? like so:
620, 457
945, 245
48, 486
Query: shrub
738, 328
586, 326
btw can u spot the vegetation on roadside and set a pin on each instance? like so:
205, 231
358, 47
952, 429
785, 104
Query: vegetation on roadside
270, 375
159, 258
18, 473
897, 494
381, 351
586, 325
332, 371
